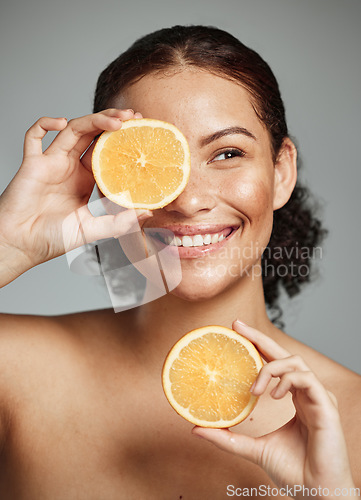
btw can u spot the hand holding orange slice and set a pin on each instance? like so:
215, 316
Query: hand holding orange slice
208, 374
145, 164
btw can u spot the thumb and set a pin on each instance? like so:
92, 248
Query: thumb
81, 227
113, 226
238, 444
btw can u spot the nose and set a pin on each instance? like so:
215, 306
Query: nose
198, 196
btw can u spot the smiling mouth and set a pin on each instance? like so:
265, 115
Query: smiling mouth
195, 240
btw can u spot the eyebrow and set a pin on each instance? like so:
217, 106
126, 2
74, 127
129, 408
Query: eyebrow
226, 131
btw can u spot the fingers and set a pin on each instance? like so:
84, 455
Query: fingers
89, 125
239, 444
268, 347
293, 372
79, 132
35, 134
85, 142
76, 135
294, 375
306, 381
112, 226
277, 368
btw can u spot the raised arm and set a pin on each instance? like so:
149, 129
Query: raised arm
52, 187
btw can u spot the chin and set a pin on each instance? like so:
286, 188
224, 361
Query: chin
199, 290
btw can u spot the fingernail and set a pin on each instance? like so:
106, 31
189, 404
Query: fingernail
240, 322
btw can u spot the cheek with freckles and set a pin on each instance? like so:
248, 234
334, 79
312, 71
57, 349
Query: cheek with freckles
252, 198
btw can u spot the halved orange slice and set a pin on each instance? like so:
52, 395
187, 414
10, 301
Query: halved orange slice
145, 164
208, 374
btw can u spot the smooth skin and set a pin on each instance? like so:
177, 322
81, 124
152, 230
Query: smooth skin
83, 414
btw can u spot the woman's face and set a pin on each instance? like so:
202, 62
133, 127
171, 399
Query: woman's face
230, 193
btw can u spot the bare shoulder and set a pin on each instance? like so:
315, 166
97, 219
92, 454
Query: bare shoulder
20, 335
28, 345
18, 327
32, 347
45, 360
24, 338
30, 333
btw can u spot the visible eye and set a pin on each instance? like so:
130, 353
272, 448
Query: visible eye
228, 154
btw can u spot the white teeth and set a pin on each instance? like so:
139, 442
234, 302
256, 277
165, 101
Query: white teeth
197, 240
207, 239
214, 238
187, 241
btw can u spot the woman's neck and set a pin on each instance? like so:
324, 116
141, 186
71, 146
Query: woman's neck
165, 320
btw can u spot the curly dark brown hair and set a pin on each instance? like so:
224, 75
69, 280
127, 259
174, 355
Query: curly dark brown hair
299, 233
295, 225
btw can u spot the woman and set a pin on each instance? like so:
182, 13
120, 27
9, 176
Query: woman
83, 413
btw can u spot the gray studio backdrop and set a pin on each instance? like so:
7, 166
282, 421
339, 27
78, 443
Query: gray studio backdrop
52, 53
